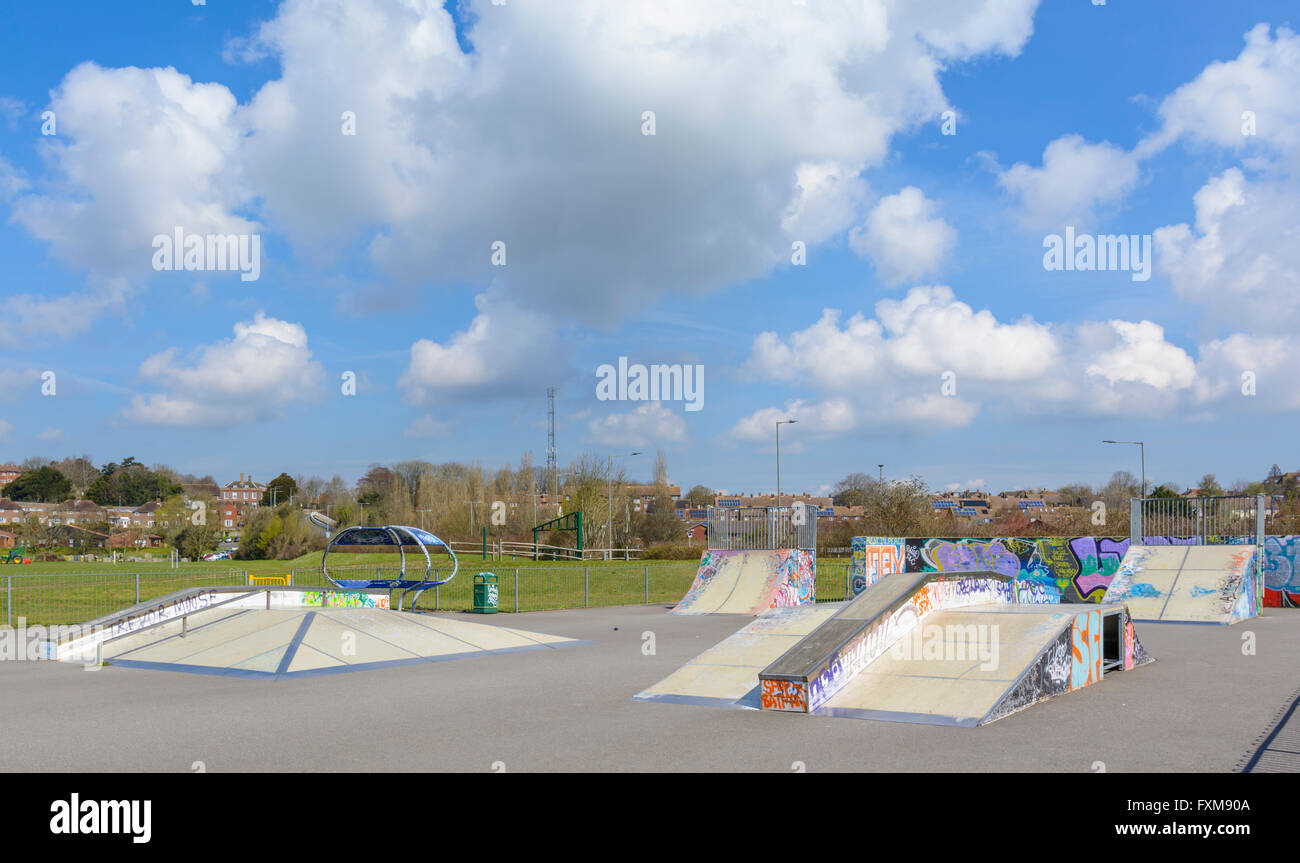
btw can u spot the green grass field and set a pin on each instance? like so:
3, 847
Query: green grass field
67, 593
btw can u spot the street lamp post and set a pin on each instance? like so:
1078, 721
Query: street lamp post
780, 423
609, 526
1143, 447
882, 473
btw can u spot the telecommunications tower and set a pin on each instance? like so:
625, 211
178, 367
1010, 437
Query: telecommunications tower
550, 447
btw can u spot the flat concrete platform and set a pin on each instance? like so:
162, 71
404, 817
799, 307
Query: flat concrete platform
1201, 708
275, 643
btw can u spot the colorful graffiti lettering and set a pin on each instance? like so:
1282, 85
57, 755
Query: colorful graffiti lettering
343, 599
709, 563
1080, 568
1281, 571
796, 571
872, 559
783, 695
1085, 653
969, 555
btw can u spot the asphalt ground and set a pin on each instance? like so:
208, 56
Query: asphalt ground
1201, 707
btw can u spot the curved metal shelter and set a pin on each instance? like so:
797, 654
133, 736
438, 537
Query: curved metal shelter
387, 538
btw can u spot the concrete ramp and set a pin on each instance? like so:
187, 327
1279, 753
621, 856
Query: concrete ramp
283, 643
726, 675
961, 649
1188, 583
749, 582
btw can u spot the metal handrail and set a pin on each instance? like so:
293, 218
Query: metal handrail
99, 645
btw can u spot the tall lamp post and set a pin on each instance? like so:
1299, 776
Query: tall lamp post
1143, 446
780, 423
609, 554
882, 473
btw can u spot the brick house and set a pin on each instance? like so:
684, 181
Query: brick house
243, 492
78, 512
6, 539
229, 517
10, 512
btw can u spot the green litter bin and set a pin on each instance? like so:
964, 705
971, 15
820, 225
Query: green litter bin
485, 593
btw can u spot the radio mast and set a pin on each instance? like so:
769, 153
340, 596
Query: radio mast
550, 447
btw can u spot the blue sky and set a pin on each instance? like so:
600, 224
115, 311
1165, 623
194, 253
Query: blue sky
774, 124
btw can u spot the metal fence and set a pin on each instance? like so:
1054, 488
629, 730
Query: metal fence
64, 598
762, 527
1207, 520
75, 597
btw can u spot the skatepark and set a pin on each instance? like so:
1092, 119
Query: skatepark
747, 672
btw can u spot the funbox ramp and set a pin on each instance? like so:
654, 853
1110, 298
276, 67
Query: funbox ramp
1188, 583
276, 634
749, 582
957, 649
726, 675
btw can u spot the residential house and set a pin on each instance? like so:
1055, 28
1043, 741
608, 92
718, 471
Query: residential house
10, 512
243, 493
6, 539
78, 512
644, 495
9, 473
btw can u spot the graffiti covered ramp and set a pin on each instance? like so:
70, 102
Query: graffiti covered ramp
275, 644
951, 649
1187, 584
749, 582
960, 668
726, 675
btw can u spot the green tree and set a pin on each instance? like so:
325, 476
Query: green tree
44, 485
279, 490
131, 484
196, 540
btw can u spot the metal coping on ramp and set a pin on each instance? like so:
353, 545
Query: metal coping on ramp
840, 669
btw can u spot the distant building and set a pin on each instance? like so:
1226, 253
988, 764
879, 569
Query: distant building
200, 490
9, 473
644, 495
10, 512
243, 492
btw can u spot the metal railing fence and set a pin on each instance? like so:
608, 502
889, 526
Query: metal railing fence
66, 598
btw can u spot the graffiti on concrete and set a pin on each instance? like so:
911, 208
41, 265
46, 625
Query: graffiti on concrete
783, 695
1085, 650
1282, 571
873, 558
795, 575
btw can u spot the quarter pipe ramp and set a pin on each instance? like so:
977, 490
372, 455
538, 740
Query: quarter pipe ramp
749, 582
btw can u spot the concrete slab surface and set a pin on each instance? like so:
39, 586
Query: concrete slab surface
1201, 708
